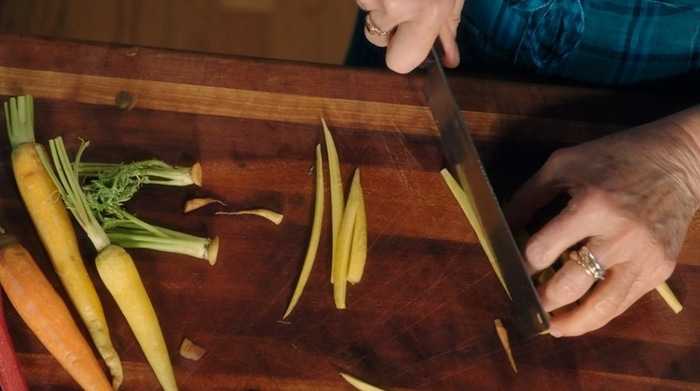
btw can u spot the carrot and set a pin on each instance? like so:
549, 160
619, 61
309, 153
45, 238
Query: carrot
358, 251
47, 316
316, 227
337, 199
114, 265
466, 202
342, 250
11, 378
53, 224
119, 274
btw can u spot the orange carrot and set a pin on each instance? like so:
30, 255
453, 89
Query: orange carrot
47, 316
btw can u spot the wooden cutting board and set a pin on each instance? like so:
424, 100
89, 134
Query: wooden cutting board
423, 316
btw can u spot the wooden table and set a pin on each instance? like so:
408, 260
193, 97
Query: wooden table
423, 316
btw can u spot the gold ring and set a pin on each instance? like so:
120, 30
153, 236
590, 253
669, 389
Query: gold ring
372, 28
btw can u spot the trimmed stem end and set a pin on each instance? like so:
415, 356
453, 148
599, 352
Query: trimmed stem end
213, 251
196, 173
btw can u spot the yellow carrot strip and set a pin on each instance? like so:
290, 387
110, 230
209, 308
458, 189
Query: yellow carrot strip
196, 203
336, 185
316, 228
669, 297
359, 384
358, 251
342, 251
273, 216
503, 337
191, 350
119, 274
470, 211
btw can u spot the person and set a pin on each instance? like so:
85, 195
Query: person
633, 193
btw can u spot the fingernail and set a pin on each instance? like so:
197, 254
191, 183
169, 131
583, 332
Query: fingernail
554, 333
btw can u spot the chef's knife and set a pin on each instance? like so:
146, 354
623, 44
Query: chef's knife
528, 316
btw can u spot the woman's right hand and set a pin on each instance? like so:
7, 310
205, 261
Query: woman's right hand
411, 28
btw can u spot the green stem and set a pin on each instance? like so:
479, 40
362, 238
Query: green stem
150, 172
197, 249
19, 118
66, 180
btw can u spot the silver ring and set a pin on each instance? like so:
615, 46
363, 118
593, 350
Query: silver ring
590, 264
372, 28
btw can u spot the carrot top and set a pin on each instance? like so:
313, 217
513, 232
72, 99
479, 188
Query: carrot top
19, 117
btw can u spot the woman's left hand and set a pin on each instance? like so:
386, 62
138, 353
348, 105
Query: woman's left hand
633, 195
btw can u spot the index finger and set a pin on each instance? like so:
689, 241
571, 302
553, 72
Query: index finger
410, 44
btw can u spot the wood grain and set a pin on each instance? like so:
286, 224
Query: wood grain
423, 316
256, 28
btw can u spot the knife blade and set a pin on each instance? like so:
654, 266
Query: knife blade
528, 316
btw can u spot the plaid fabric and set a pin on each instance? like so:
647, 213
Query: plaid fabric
613, 42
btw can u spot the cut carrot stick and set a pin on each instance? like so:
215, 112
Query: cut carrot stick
316, 227
669, 297
358, 251
55, 229
336, 184
11, 378
344, 243
38, 304
466, 202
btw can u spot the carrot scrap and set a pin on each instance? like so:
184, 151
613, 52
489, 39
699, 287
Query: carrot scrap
503, 337
359, 384
273, 216
196, 203
191, 350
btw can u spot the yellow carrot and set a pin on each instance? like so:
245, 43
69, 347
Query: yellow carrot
119, 274
38, 304
114, 265
342, 251
358, 251
57, 234
316, 227
337, 198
